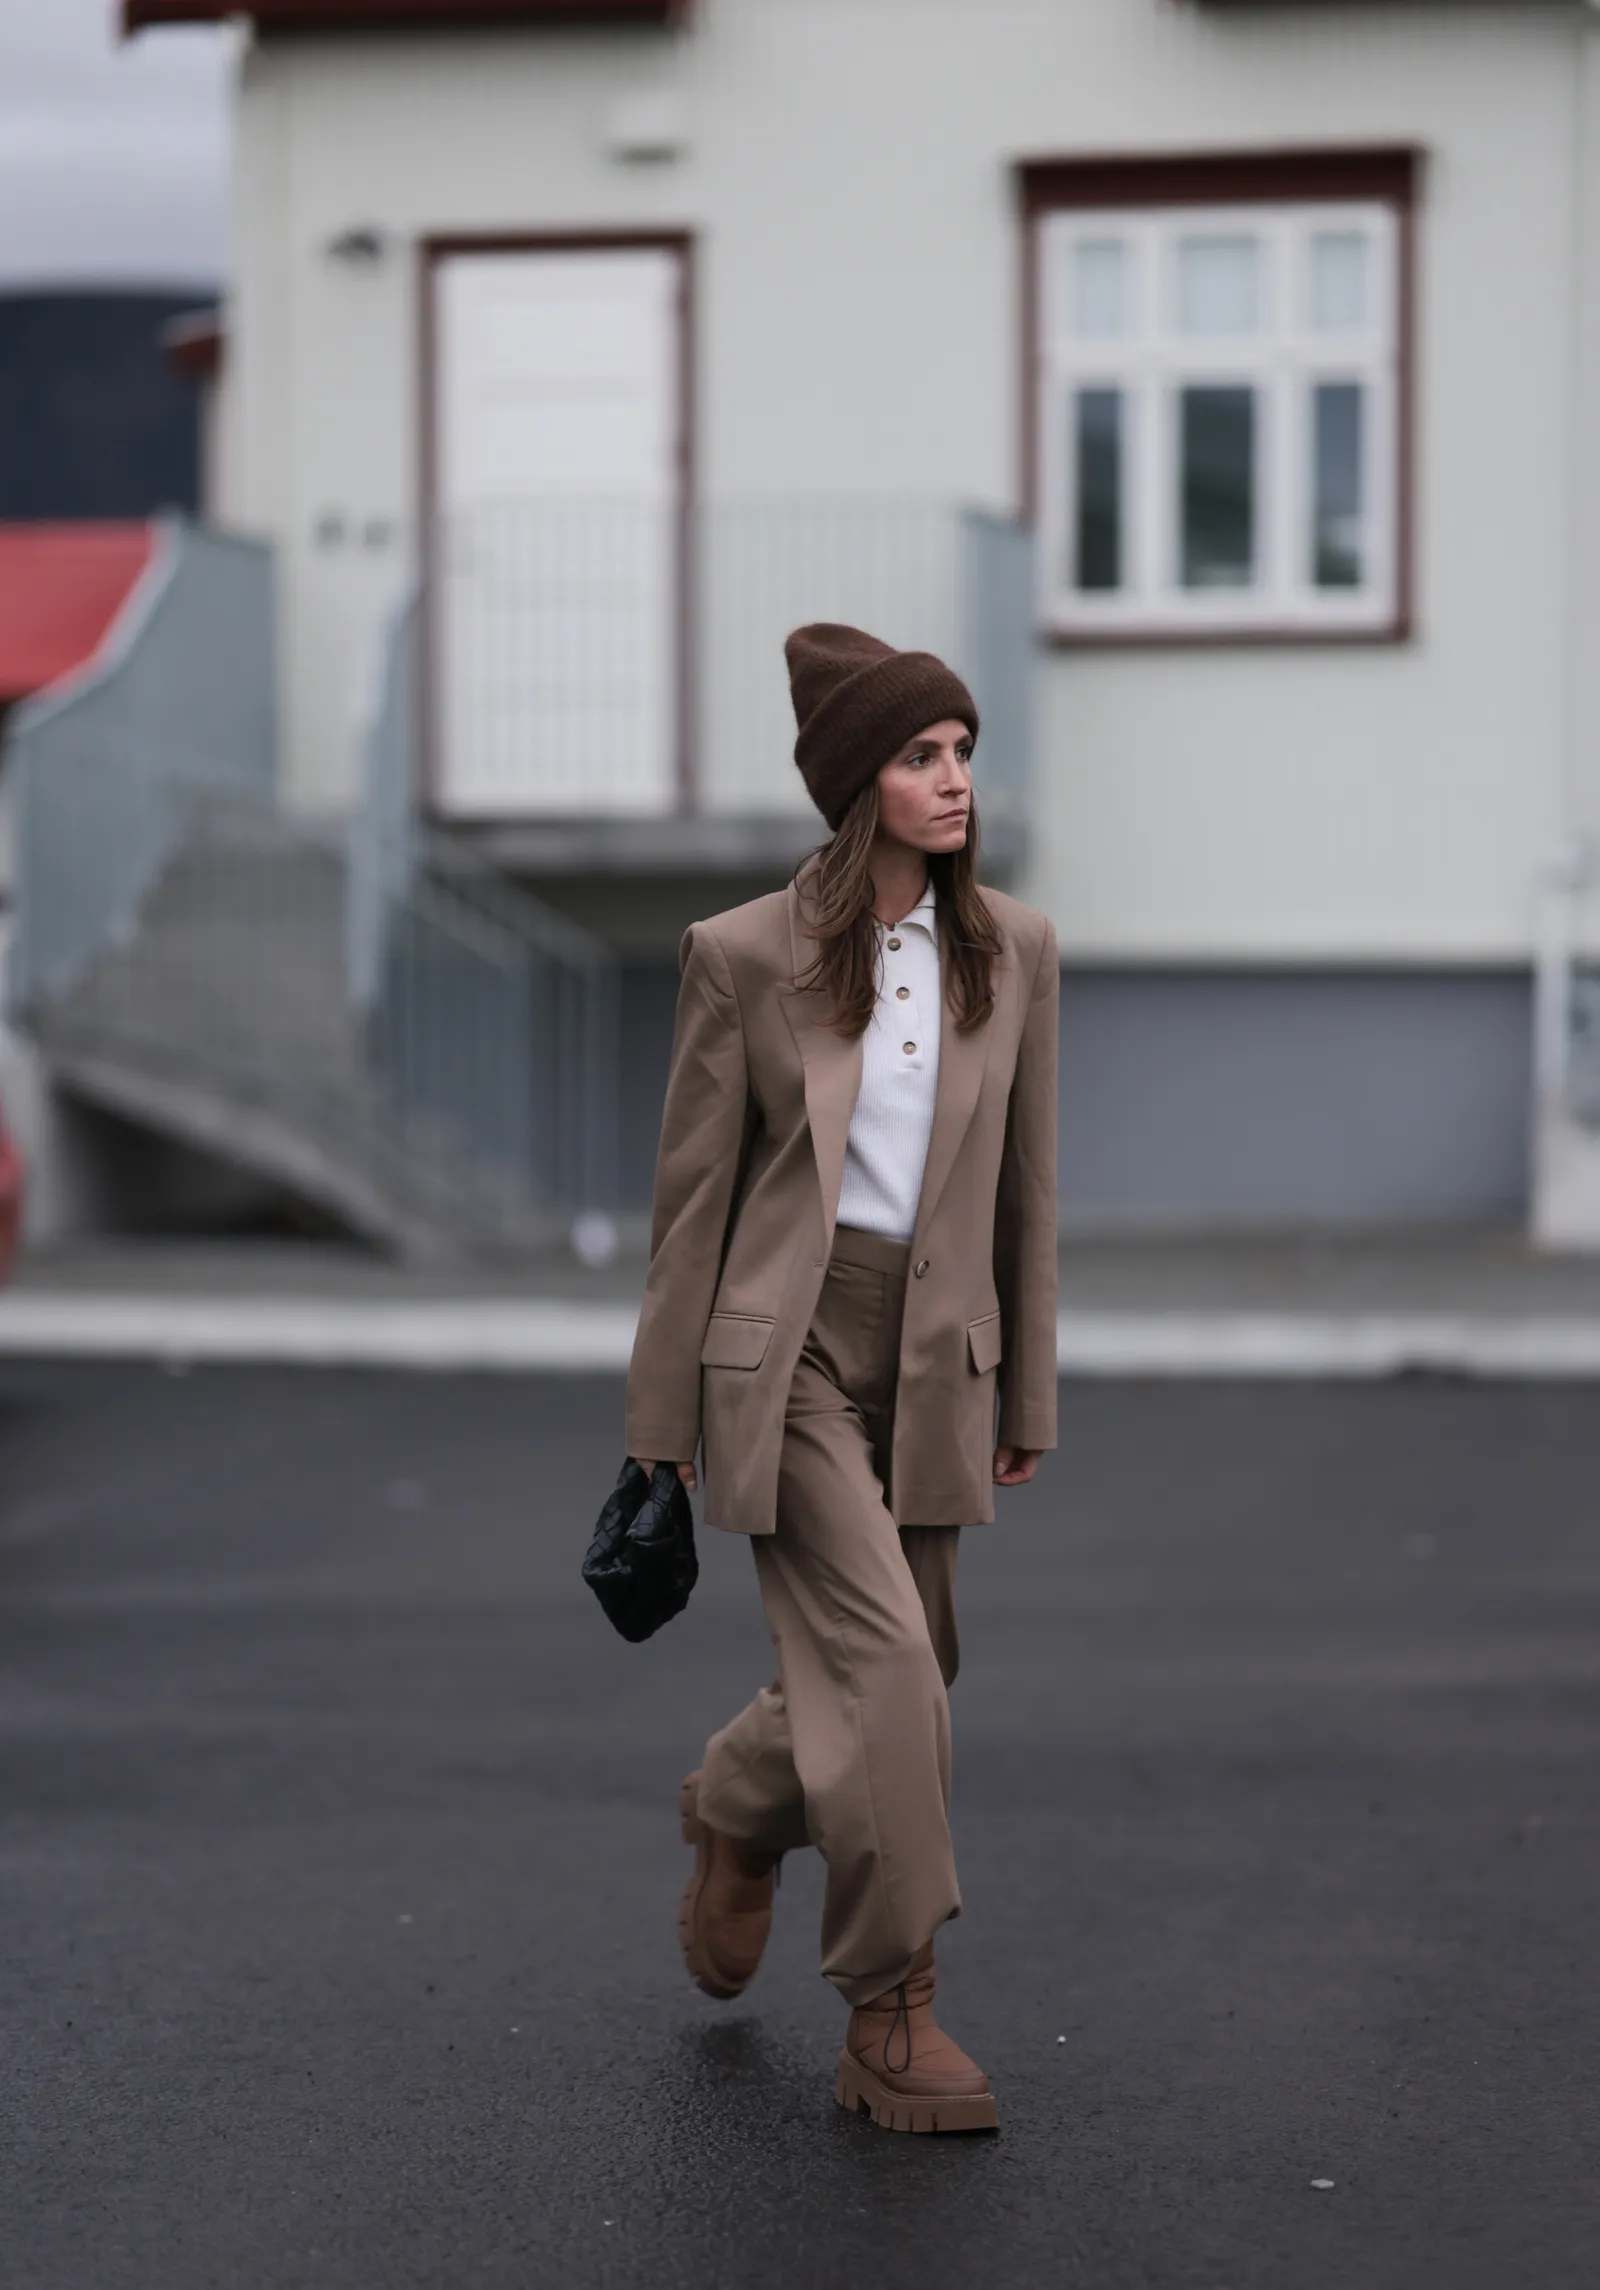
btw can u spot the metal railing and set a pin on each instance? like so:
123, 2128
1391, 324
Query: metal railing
181, 695
1566, 1092
1567, 986
576, 642
384, 1023
392, 1016
489, 1016
924, 575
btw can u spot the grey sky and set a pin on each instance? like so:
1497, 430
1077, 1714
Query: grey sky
113, 158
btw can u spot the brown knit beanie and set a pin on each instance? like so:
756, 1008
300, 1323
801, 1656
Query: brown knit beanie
856, 702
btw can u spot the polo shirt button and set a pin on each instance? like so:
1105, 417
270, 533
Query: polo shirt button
910, 1049
894, 946
902, 993
922, 1268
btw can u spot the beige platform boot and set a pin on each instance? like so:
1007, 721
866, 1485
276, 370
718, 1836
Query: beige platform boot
726, 1911
899, 2066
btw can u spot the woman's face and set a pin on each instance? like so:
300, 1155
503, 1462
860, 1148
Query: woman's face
925, 792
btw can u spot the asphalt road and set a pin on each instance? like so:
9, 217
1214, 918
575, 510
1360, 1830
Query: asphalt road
338, 1860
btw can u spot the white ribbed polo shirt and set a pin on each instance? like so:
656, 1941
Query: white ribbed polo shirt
893, 1119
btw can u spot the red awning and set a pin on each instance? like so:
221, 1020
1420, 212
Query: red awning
61, 587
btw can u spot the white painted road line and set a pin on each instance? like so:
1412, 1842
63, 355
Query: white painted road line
549, 1337
1332, 1345
321, 1332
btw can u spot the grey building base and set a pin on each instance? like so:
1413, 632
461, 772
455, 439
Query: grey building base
1227, 1099
1208, 1100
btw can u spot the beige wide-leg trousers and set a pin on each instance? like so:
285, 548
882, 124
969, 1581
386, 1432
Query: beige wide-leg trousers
850, 1749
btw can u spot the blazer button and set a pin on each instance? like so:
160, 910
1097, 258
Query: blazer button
922, 1269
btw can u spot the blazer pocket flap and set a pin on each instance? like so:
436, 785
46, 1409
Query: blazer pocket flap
733, 1340
984, 1338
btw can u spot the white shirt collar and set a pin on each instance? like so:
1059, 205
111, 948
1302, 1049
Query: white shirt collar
924, 914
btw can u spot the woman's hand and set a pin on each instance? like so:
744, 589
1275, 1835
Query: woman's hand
1015, 1466
685, 1473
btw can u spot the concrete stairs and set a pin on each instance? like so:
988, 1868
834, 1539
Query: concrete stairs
221, 1018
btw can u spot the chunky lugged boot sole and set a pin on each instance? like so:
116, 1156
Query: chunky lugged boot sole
859, 2089
702, 1971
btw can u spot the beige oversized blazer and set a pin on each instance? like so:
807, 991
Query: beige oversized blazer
758, 1108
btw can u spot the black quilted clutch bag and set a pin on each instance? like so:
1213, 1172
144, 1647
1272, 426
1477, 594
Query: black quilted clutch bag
641, 1563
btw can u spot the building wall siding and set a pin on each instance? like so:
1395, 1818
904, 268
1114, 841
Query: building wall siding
849, 175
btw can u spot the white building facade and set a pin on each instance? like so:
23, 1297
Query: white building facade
634, 329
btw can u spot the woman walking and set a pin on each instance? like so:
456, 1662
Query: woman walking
854, 1252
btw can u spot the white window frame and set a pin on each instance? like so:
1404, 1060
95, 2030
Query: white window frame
1151, 362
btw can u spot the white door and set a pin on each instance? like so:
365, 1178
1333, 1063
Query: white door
555, 554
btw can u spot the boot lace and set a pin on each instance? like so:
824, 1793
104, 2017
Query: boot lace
902, 2022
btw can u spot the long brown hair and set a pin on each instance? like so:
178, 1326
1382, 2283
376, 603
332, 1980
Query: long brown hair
836, 885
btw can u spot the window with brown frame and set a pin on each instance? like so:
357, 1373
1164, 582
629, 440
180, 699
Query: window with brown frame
1220, 381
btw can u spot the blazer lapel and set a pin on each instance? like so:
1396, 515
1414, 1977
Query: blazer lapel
833, 1082
832, 1071
962, 1060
